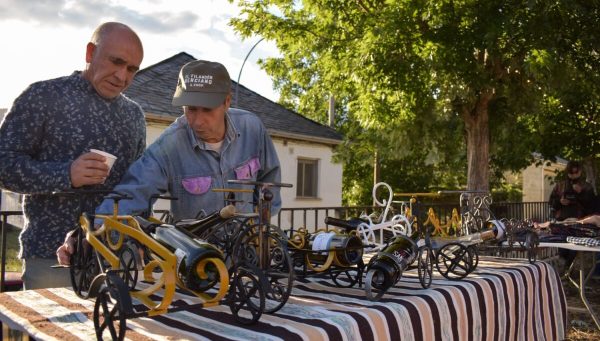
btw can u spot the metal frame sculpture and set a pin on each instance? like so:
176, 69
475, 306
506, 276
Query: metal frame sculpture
107, 260
264, 246
337, 253
452, 257
377, 231
385, 268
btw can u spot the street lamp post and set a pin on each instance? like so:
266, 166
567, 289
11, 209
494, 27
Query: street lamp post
237, 84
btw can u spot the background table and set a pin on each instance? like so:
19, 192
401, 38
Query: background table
581, 271
502, 300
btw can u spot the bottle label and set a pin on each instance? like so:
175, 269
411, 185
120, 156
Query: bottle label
400, 257
322, 241
402, 254
180, 254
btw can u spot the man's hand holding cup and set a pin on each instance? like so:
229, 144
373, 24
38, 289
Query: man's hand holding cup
91, 168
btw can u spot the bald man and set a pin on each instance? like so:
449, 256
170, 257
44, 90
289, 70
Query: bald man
45, 142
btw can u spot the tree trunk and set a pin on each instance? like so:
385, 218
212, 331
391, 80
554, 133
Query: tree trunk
589, 166
476, 119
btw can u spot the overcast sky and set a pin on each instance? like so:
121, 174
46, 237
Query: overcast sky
43, 39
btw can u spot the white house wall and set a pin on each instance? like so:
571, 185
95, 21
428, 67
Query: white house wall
329, 183
538, 181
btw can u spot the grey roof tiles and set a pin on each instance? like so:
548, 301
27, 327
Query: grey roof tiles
153, 89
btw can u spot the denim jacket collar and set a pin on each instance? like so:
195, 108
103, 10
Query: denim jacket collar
230, 134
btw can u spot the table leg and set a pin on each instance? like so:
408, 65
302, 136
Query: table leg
583, 280
8, 334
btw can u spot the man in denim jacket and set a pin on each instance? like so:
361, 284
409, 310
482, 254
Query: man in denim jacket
201, 150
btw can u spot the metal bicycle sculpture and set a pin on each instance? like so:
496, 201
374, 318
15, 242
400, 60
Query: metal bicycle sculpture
332, 252
250, 239
384, 268
457, 255
519, 235
107, 260
513, 234
453, 258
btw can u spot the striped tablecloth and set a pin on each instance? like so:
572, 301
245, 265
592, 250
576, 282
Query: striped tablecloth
502, 300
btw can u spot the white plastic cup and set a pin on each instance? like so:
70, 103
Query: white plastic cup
110, 159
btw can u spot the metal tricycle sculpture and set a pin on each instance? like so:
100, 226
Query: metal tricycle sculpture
250, 239
107, 260
336, 252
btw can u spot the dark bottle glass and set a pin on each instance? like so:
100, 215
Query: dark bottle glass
348, 225
189, 251
197, 226
348, 248
387, 266
496, 230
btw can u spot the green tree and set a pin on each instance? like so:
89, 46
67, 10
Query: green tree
408, 70
568, 121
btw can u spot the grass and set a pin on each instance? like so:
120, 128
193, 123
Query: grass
582, 327
13, 263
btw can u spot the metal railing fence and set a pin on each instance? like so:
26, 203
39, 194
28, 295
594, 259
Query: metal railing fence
312, 218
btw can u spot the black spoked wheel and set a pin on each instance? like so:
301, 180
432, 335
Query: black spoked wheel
112, 306
272, 258
425, 266
474, 255
84, 267
246, 296
130, 260
454, 261
532, 242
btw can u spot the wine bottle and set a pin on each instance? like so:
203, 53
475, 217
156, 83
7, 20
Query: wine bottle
495, 232
196, 226
189, 252
348, 248
348, 225
387, 266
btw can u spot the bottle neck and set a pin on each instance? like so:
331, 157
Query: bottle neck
489, 235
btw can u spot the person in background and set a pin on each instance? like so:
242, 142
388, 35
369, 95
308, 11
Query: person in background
45, 142
206, 146
572, 197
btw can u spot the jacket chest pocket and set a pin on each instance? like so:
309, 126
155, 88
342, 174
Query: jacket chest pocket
196, 185
248, 169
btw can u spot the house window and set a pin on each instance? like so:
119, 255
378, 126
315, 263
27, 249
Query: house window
306, 185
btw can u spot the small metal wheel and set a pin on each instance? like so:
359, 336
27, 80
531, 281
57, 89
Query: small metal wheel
271, 256
112, 306
474, 251
532, 242
84, 267
246, 296
454, 261
346, 278
129, 260
425, 266
375, 285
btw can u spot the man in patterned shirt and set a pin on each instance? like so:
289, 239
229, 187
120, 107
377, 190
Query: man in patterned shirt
45, 142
